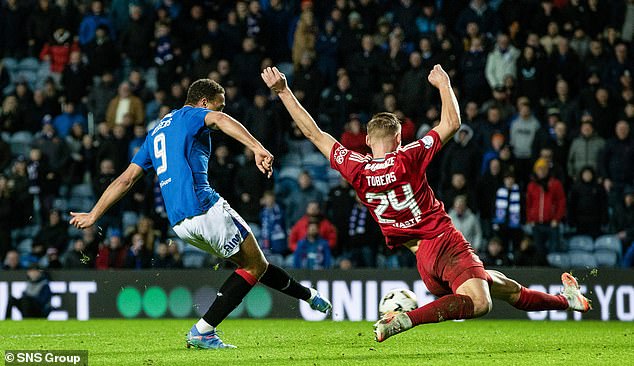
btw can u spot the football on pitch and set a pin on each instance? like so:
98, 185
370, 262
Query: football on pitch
398, 301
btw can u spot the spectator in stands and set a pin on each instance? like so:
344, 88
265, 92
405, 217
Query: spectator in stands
545, 208
250, 185
413, 94
139, 256
57, 51
604, 111
11, 120
64, 122
37, 111
305, 36
458, 185
619, 64
51, 260
472, 67
308, 80
13, 20
466, 222
76, 78
312, 251
507, 221
125, 103
585, 149
11, 261
36, 298
75, 257
530, 75
100, 95
497, 142
21, 191
616, 163
479, 12
273, 235
461, 156
523, 131
587, 204
363, 239
568, 106
112, 254
297, 202
100, 52
486, 190
495, 255
163, 258
326, 228
6, 207
91, 21
527, 255
327, 50
501, 62
222, 172
354, 135
40, 26
54, 234
136, 38
622, 224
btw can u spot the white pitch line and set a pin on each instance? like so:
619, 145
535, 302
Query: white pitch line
49, 335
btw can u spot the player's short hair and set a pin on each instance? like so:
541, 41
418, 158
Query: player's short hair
384, 124
203, 88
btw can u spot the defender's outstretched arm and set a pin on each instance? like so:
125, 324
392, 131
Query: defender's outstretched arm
276, 80
115, 191
450, 111
235, 129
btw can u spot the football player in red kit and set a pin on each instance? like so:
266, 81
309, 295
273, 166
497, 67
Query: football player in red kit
392, 184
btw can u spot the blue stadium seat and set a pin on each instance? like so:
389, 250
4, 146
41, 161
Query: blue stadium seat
82, 190
609, 242
581, 259
581, 243
289, 172
606, 258
193, 257
20, 143
559, 260
291, 160
315, 158
129, 219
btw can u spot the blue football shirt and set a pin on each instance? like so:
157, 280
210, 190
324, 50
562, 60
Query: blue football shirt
178, 149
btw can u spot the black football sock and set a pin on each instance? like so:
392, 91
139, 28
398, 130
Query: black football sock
230, 295
278, 279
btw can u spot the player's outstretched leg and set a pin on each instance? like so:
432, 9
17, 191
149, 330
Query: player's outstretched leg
471, 300
520, 297
278, 279
252, 265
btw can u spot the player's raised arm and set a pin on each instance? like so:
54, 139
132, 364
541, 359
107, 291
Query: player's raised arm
450, 111
115, 191
235, 129
276, 80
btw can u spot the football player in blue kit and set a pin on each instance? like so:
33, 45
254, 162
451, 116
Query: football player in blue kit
178, 150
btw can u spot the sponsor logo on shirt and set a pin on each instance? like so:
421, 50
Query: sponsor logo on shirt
165, 182
428, 141
340, 154
382, 165
231, 244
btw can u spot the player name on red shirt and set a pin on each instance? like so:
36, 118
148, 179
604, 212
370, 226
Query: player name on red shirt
395, 189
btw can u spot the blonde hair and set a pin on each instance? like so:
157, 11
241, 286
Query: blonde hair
384, 124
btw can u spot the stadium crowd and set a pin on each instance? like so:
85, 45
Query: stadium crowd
545, 150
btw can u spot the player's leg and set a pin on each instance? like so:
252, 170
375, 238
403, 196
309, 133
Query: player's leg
251, 265
453, 274
522, 298
278, 279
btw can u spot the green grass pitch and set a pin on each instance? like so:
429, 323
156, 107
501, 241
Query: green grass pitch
296, 342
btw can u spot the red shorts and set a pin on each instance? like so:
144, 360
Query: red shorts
447, 261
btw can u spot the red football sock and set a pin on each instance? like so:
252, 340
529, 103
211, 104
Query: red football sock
531, 300
446, 308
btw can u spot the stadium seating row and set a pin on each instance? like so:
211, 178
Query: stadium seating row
584, 252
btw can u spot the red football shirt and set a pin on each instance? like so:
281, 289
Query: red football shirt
395, 189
